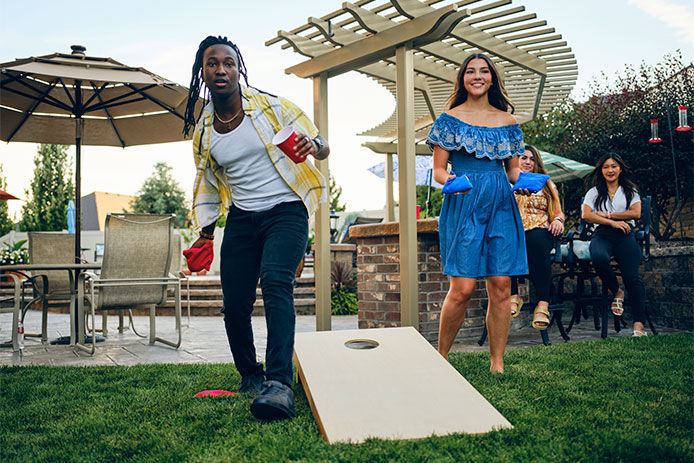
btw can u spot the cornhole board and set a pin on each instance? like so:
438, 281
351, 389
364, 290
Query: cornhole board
401, 389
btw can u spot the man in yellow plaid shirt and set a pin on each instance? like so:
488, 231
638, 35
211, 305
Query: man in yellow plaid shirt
268, 199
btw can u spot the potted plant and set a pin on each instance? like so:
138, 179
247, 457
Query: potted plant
14, 253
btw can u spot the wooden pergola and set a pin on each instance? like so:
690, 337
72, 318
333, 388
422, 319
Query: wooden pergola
414, 48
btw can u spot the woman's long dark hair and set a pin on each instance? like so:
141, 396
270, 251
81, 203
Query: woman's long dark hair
597, 180
497, 93
197, 80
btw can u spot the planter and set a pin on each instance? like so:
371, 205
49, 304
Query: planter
10, 272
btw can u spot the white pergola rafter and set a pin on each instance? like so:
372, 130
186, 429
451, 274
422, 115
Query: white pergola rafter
414, 49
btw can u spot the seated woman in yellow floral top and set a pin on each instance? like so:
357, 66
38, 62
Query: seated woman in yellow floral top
542, 219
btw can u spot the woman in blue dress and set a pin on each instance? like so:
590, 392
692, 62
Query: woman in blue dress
481, 232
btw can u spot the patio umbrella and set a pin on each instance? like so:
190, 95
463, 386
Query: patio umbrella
561, 169
422, 166
5, 196
71, 216
83, 100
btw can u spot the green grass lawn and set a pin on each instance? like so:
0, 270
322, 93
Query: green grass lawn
610, 400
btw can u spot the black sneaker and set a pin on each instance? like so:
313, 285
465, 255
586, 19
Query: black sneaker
275, 402
252, 384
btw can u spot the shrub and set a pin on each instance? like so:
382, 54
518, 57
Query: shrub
343, 295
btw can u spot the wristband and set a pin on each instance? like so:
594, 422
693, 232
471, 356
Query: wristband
559, 219
207, 236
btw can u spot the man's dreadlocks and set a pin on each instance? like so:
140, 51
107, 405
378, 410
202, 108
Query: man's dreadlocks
197, 80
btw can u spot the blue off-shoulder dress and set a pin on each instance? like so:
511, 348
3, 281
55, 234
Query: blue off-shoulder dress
481, 232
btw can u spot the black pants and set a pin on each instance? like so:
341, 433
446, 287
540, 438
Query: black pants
538, 243
608, 242
268, 245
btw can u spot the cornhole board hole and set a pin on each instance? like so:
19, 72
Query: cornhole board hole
387, 383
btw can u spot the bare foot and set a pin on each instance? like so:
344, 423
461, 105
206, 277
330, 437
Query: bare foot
497, 367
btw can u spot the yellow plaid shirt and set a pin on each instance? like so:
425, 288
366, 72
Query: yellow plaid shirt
269, 114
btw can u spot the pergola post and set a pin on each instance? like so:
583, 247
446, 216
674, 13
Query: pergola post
390, 201
321, 267
409, 311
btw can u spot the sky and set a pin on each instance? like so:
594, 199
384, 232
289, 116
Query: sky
162, 37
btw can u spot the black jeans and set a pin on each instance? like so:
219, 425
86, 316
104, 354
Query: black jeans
608, 242
268, 245
538, 242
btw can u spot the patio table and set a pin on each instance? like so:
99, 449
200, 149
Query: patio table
76, 325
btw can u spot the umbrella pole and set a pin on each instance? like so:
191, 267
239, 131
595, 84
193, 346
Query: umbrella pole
79, 124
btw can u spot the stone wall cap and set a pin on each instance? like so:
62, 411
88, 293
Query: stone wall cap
676, 250
391, 228
338, 247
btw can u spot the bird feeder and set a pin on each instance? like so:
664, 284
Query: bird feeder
683, 127
654, 132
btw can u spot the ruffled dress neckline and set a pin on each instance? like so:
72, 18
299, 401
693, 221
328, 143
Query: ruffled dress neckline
453, 134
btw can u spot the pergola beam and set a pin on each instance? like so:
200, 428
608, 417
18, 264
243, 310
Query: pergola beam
417, 32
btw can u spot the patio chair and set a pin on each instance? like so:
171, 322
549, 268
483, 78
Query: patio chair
577, 266
134, 273
176, 269
53, 285
12, 304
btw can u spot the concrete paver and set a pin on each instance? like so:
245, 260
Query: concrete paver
204, 341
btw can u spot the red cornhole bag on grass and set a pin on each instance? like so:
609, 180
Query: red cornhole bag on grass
200, 258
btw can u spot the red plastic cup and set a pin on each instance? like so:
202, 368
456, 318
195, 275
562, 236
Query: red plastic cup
418, 209
284, 140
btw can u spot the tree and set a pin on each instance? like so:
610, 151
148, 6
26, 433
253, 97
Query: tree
6, 224
161, 194
51, 190
615, 118
436, 200
335, 192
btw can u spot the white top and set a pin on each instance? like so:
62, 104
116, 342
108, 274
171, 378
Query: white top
255, 183
616, 204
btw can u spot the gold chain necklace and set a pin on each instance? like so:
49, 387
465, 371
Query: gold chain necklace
228, 123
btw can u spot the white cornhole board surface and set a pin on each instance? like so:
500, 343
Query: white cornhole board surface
402, 389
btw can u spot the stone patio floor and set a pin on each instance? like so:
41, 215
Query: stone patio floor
204, 341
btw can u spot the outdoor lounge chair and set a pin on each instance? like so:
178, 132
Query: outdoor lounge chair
134, 273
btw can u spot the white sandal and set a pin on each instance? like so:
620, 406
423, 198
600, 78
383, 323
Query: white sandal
639, 333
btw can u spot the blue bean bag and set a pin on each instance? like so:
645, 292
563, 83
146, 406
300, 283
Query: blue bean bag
530, 181
459, 184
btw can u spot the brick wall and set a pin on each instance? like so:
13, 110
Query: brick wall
668, 278
378, 281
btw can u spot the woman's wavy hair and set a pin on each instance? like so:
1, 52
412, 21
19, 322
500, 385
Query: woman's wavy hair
497, 93
539, 168
597, 180
197, 80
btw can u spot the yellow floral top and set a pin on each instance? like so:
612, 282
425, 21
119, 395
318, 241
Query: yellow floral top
533, 208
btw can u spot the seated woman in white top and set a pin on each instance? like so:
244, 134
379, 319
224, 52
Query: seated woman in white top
613, 203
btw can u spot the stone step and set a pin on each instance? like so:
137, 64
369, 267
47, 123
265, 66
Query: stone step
299, 292
304, 306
